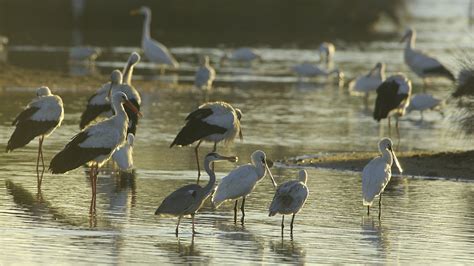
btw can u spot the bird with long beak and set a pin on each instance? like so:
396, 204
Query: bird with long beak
241, 181
377, 173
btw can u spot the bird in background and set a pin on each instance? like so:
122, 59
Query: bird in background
424, 101
290, 198
377, 173
327, 51
39, 119
95, 144
242, 55
123, 156
188, 199
132, 61
212, 121
424, 65
393, 98
369, 82
240, 182
154, 51
205, 75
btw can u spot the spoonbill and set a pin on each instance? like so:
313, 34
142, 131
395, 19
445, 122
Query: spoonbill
212, 121
241, 181
39, 119
123, 156
423, 101
95, 144
188, 199
368, 83
377, 173
289, 198
243, 55
326, 52
205, 75
393, 97
423, 64
154, 51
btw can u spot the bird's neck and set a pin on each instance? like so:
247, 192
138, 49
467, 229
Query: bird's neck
411, 42
260, 169
127, 73
387, 156
146, 26
212, 177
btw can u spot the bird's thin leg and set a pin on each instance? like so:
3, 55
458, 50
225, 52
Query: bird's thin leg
368, 210
380, 205
242, 209
192, 217
91, 178
282, 224
177, 226
196, 150
389, 128
42, 162
235, 211
398, 133
291, 225
214, 150
96, 172
37, 163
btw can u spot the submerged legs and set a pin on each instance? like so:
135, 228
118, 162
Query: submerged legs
39, 176
93, 177
196, 151
235, 211
242, 209
291, 225
177, 226
282, 224
380, 205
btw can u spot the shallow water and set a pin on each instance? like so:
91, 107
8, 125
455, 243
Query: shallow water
423, 221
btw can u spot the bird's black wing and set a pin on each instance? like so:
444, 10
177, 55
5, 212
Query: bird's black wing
25, 114
199, 114
72, 155
132, 117
92, 112
195, 130
386, 99
440, 70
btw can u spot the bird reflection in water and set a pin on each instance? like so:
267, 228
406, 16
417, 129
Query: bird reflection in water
183, 252
375, 233
290, 251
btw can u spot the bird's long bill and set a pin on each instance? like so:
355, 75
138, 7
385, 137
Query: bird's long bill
132, 107
232, 159
397, 163
372, 70
109, 95
271, 176
404, 37
134, 12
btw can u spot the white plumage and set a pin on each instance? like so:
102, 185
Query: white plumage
370, 82
423, 64
133, 59
154, 50
307, 69
50, 108
326, 52
422, 102
241, 181
243, 54
377, 173
123, 156
205, 75
290, 197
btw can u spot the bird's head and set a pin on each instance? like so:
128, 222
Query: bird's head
387, 144
120, 98
130, 139
215, 157
408, 34
260, 156
115, 79
303, 176
43, 91
144, 10
204, 60
134, 58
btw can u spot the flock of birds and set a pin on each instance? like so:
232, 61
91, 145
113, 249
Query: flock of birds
113, 137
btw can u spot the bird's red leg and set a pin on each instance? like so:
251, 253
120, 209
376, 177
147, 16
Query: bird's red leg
96, 172
42, 162
37, 164
196, 150
91, 178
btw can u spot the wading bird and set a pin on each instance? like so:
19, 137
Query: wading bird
123, 156
241, 181
133, 59
326, 52
307, 69
205, 75
423, 101
242, 55
289, 198
95, 144
213, 122
377, 173
39, 118
393, 97
154, 51
188, 199
368, 83
423, 64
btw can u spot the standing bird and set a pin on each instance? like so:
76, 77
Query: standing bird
205, 75
289, 198
242, 55
241, 181
39, 118
423, 64
368, 83
154, 51
393, 97
95, 144
326, 52
133, 59
422, 102
123, 156
377, 173
212, 121
188, 199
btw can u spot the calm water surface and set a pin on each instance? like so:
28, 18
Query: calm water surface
423, 221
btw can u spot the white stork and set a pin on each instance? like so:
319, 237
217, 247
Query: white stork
123, 156
241, 181
423, 101
205, 75
368, 83
377, 173
393, 97
289, 198
423, 64
242, 55
212, 121
154, 51
95, 144
39, 118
